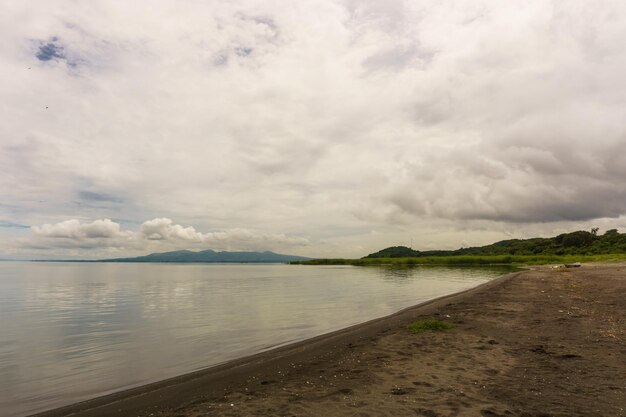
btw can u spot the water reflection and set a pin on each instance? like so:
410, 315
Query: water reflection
402, 273
74, 331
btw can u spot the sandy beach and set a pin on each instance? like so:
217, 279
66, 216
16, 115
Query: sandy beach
534, 343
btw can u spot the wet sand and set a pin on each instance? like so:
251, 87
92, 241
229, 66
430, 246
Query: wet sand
535, 343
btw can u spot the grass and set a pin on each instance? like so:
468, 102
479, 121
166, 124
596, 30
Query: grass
429, 326
471, 260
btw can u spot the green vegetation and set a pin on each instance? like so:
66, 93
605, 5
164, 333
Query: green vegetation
579, 246
471, 260
576, 243
429, 325
395, 252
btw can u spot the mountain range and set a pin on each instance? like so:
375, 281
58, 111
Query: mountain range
211, 256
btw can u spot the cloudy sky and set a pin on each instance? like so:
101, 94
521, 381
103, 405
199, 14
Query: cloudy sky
317, 127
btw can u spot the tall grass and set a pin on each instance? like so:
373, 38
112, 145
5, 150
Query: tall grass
471, 260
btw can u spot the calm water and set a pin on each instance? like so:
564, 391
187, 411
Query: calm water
71, 331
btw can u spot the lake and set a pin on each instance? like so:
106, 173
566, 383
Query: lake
73, 331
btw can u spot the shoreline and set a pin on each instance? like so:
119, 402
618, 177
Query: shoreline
249, 363
533, 343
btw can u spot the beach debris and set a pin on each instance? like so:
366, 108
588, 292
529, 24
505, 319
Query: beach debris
401, 390
572, 265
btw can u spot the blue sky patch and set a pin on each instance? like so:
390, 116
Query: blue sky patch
98, 197
13, 225
50, 51
243, 51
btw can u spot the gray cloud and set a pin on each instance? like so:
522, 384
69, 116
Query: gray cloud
397, 58
353, 124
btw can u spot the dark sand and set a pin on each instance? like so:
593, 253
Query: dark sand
537, 343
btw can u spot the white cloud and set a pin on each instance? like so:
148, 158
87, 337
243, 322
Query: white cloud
163, 229
74, 229
159, 234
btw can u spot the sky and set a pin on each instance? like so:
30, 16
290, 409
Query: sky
324, 128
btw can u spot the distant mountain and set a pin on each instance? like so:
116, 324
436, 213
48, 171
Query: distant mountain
580, 242
211, 256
